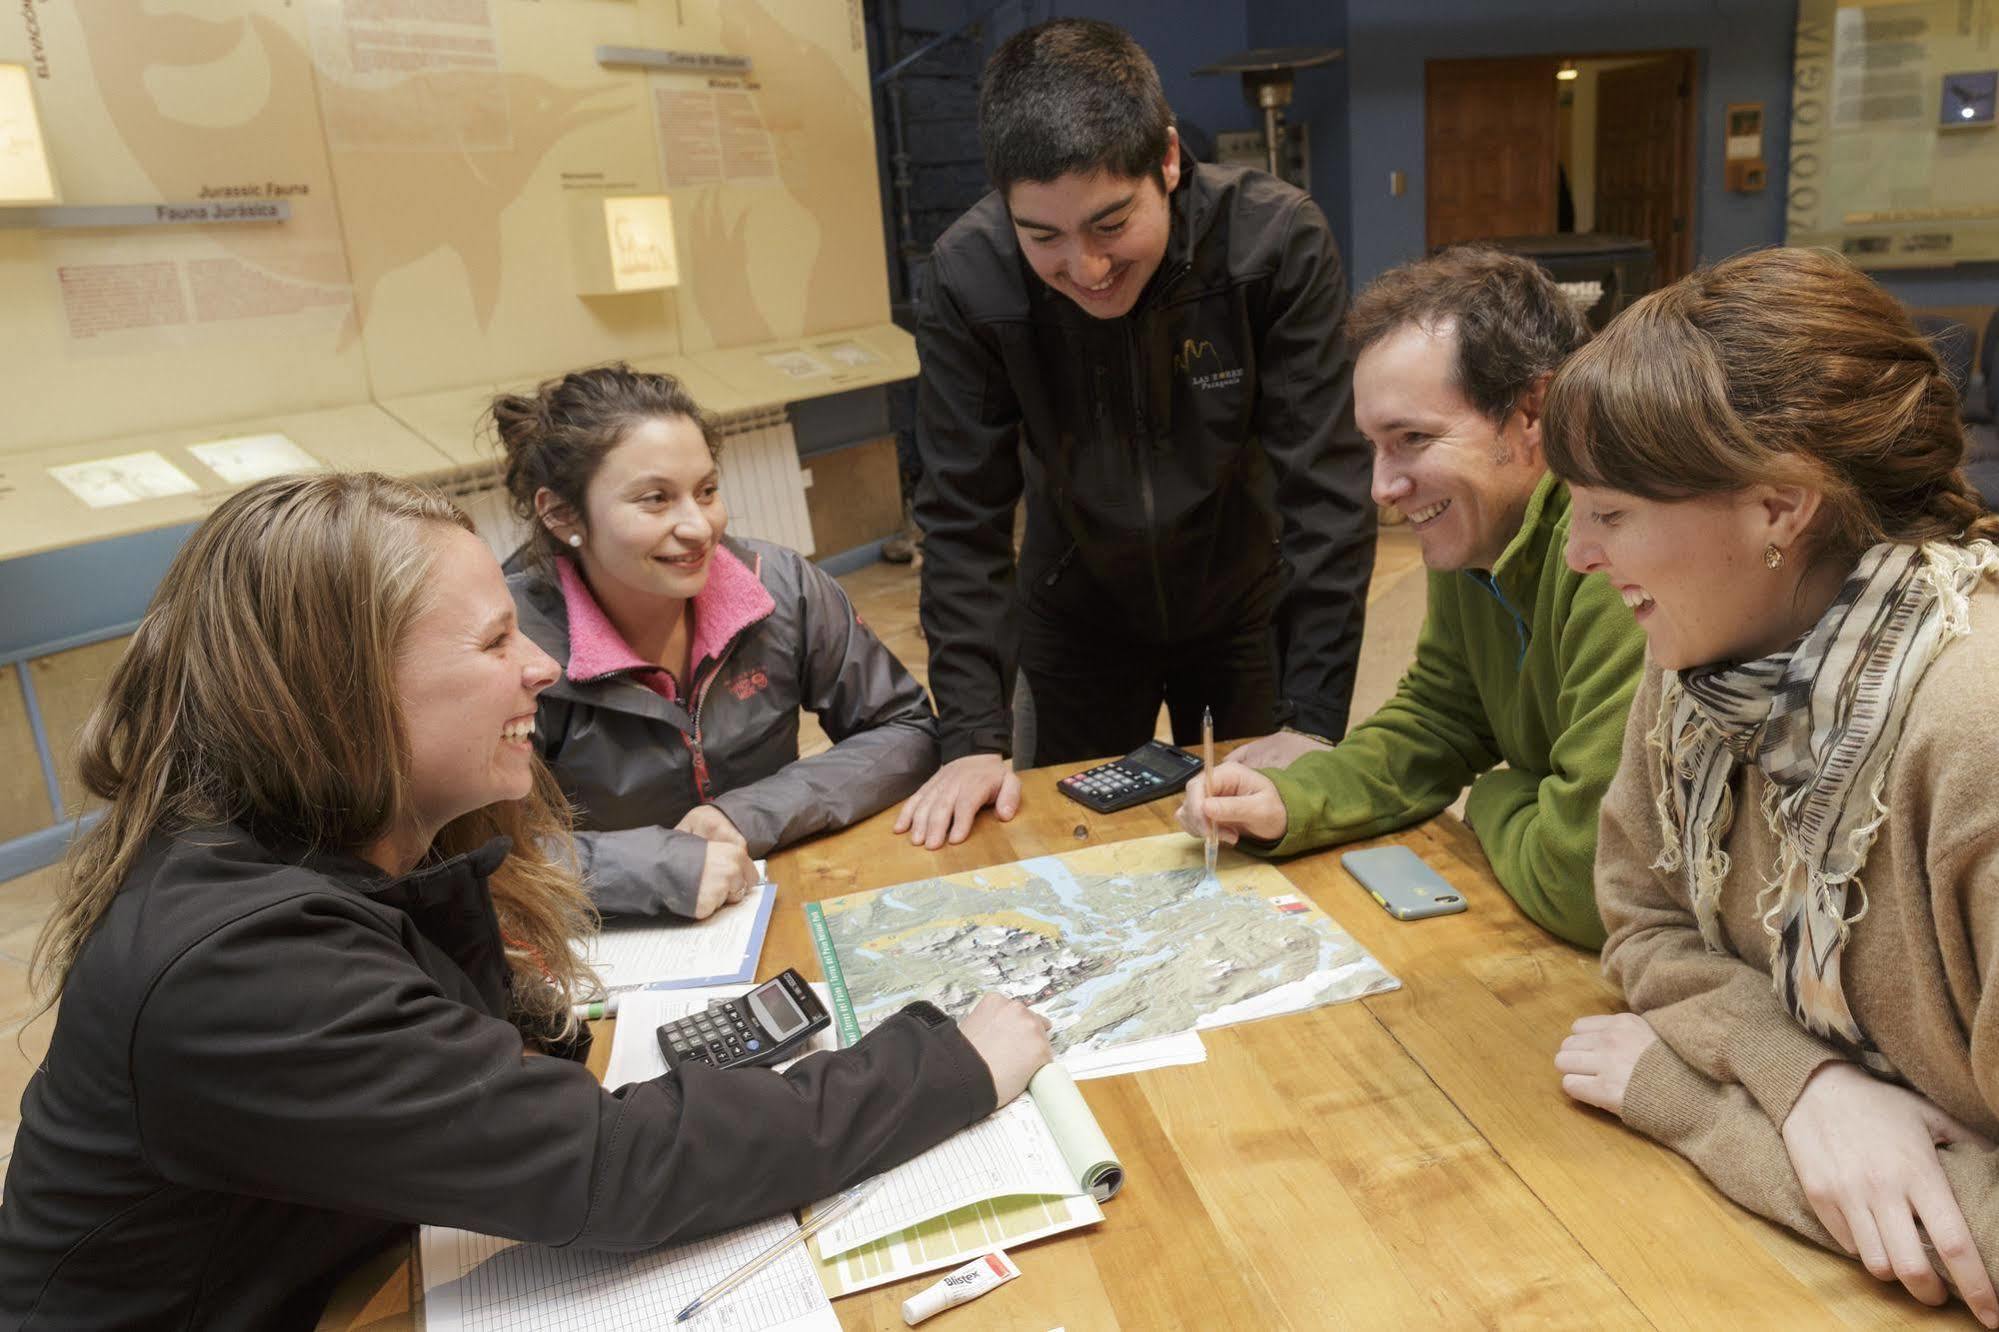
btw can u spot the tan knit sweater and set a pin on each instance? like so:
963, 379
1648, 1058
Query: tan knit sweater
1917, 968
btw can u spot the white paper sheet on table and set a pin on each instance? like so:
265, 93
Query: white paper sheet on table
635, 1055
1298, 995
1008, 1153
951, 1241
1182, 1047
475, 1283
719, 950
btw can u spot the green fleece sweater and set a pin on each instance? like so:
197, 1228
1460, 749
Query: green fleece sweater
1533, 666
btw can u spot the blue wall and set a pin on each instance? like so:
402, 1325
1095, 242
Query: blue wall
1744, 56
1319, 98
1967, 284
1366, 111
1181, 38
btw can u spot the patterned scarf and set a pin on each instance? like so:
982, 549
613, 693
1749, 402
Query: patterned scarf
1821, 718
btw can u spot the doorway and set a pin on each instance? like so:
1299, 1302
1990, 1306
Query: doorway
1584, 144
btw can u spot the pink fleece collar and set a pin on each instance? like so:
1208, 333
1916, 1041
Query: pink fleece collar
733, 600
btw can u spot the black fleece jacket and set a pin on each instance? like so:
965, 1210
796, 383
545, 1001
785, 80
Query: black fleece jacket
1170, 457
268, 1066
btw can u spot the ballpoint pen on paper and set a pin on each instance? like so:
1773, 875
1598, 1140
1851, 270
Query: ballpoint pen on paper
1211, 843
824, 1217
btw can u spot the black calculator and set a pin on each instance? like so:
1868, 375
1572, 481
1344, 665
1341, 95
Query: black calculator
768, 1024
1152, 770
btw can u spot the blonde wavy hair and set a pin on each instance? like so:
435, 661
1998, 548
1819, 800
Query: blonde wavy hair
260, 689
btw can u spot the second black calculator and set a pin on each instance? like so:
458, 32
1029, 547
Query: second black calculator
1152, 770
770, 1023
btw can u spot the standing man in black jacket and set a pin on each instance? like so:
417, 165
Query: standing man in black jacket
1150, 349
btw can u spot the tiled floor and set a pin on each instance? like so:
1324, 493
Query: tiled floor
885, 595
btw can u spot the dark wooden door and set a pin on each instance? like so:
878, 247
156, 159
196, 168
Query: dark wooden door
1644, 148
1489, 134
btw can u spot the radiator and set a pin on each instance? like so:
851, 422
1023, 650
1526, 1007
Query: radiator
761, 481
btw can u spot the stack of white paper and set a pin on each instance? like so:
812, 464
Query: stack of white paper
715, 951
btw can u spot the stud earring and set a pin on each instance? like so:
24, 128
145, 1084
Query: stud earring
576, 539
1772, 557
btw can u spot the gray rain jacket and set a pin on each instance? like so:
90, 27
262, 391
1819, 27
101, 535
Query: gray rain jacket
634, 762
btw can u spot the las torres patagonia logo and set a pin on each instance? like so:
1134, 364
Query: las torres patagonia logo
1202, 365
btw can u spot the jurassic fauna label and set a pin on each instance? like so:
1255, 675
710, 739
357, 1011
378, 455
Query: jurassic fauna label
268, 189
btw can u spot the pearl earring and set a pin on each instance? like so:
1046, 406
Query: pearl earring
576, 539
1772, 557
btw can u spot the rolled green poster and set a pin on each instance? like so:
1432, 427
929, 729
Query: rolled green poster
1085, 1149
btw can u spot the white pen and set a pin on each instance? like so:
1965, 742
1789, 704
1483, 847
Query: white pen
824, 1217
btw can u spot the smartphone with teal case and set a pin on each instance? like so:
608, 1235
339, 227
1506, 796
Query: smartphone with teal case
1407, 888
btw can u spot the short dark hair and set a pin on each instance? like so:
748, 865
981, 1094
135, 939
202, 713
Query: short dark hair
1512, 321
1072, 95
558, 435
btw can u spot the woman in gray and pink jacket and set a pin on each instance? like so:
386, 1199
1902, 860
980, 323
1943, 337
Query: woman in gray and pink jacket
686, 656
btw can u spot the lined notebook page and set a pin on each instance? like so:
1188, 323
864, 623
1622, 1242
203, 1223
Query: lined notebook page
1009, 1152
723, 947
475, 1283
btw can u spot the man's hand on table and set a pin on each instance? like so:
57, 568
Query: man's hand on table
944, 807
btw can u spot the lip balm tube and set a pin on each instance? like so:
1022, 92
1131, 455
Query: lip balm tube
974, 1279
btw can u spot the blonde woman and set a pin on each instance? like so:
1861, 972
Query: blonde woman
1798, 862
307, 959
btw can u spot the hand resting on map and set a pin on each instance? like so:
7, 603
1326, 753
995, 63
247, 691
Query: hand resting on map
1013, 1040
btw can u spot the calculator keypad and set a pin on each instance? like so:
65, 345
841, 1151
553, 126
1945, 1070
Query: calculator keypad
720, 1036
1112, 782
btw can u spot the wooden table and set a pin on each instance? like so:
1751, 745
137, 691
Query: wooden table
1406, 1161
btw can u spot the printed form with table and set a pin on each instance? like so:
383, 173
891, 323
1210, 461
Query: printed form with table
1129, 949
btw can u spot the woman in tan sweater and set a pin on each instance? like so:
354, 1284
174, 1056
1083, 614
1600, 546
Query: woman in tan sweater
1798, 862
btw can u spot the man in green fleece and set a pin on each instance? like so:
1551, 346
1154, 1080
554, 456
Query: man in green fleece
1521, 662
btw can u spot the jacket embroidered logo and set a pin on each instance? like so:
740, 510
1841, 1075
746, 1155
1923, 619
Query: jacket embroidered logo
745, 684
1202, 365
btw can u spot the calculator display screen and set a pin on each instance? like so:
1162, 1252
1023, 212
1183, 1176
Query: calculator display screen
773, 1007
1160, 765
